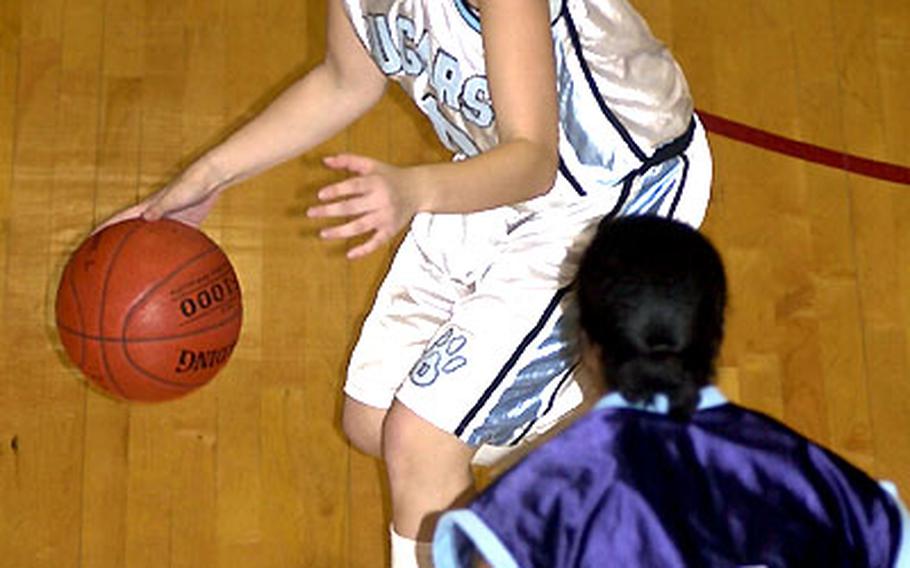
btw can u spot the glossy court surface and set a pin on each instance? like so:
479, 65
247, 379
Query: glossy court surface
102, 101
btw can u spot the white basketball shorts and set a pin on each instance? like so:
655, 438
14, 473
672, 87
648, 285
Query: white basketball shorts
474, 328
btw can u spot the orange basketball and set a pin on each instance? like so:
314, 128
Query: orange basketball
149, 310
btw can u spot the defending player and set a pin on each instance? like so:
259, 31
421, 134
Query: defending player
558, 114
665, 471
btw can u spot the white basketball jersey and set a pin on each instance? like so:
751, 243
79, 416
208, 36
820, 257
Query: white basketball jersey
621, 94
625, 127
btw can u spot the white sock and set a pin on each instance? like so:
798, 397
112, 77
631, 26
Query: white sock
409, 553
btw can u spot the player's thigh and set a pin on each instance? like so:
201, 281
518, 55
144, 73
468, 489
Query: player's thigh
410, 306
496, 366
410, 442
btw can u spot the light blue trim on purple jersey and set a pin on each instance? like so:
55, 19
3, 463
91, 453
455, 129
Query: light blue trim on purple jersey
709, 397
464, 523
461, 533
903, 553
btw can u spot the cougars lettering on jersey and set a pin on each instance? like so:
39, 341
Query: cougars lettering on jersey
621, 94
457, 104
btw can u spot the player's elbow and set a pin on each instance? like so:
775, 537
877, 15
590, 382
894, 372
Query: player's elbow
534, 153
537, 151
545, 163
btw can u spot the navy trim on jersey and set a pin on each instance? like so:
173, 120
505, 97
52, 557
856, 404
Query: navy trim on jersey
566, 173
550, 404
620, 129
682, 186
562, 6
671, 149
513, 360
469, 14
623, 196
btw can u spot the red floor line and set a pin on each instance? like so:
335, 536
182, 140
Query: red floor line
804, 151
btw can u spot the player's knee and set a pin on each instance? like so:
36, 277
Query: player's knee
362, 426
398, 448
413, 449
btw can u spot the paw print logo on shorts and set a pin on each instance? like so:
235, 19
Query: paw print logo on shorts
440, 357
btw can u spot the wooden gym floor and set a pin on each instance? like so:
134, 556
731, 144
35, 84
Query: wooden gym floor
101, 101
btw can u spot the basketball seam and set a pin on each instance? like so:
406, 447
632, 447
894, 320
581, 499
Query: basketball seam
103, 303
161, 281
125, 344
126, 340
138, 301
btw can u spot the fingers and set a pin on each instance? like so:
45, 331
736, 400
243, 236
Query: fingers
154, 211
364, 249
129, 213
360, 165
364, 219
365, 200
349, 208
350, 229
342, 189
348, 198
357, 227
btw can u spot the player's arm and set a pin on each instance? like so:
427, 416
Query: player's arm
331, 96
521, 73
381, 199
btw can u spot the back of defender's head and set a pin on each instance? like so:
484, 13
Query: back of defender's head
652, 294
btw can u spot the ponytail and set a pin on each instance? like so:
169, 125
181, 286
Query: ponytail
643, 377
652, 294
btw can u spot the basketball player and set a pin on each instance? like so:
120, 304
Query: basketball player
664, 471
558, 113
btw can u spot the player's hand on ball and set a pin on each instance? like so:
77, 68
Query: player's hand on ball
376, 200
188, 198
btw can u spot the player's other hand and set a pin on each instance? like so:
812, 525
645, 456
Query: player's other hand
188, 198
376, 200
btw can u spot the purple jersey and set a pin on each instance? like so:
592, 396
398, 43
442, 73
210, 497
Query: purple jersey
629, 487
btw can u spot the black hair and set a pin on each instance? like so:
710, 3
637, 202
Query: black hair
652, 294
